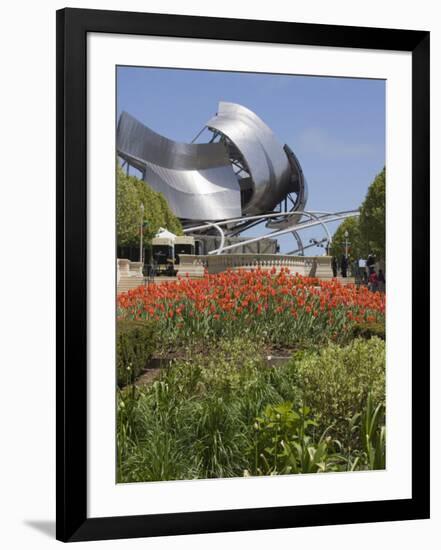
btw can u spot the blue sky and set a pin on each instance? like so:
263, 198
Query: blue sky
336, 126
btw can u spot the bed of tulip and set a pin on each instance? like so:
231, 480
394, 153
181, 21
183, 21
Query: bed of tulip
278, 308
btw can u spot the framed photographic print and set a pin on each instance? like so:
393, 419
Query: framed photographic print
243, 265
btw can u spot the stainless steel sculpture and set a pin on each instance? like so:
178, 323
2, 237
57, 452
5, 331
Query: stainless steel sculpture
255, 149
196, 179
290, 226
241, 178
243, 170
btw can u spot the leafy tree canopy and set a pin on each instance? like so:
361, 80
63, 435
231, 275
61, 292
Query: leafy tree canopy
372, 220
366, 233
337, 248
131, 192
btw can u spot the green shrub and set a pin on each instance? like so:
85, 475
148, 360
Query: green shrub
204, 409
228, 367
135, 344
226, 413
369, 330
336, 381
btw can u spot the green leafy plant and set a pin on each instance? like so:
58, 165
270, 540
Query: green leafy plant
373, 434
135, 344
227, 413
336, 381
283, 444
370, 423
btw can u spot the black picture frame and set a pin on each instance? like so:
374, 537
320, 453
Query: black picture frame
71, 427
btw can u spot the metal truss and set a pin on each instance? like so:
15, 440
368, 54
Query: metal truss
315, 218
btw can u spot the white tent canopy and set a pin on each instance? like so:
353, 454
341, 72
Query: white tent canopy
165, 234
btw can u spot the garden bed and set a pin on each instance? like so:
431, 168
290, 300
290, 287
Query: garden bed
197, 399
225, 413
155, 365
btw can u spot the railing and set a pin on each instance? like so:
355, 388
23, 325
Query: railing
311, 266
129, 274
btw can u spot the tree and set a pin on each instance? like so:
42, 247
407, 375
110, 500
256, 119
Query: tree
337, 247
372, 220
130, 193
367, 232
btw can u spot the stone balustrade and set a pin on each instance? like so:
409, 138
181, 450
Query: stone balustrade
129, 274
122, 269
310, 266
127, 268
136, 269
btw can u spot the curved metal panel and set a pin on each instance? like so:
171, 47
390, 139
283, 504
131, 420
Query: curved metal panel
266, 160
299, 185
196, 179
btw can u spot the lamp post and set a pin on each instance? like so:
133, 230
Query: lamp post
141, 231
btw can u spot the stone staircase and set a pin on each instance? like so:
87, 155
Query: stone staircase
127, 284
128, 275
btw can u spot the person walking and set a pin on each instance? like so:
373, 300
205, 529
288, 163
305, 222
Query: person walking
373, 281
381, 281
334, 266
370, 262
344, 266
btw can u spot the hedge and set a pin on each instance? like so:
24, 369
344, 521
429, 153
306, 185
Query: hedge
369, 330
135, 344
